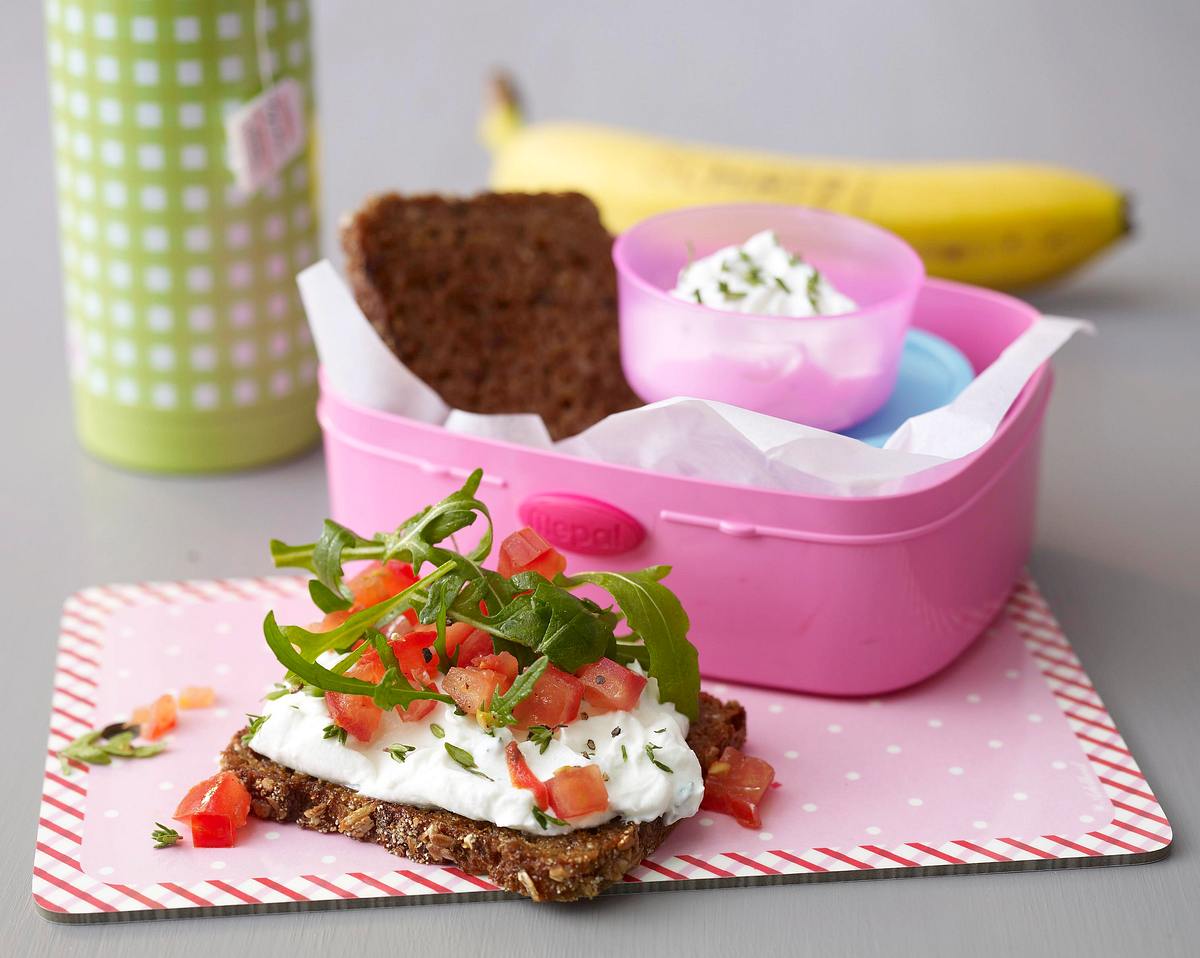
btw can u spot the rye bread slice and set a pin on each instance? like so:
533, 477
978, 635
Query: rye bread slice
580, 864
502, 302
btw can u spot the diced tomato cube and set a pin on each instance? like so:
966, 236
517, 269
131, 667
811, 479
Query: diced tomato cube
472, 645
735, 785
576, 791
358, 714
379, 581
212, 831
157, 718
197, 697
416, 711
223, 794
472, 688
554, 700
609, 686
415, 655
503, 663
521, 775
526, 551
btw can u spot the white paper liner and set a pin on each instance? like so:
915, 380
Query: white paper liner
697, 438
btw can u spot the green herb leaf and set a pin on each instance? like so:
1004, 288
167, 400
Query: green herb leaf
729, 293
256, 722
654, 613
335, 732
782, 285
814, 291
437, 730
400, 752
281, 689
164, 836
541, 736
650, 749
624, 754
325, 598
548, 620
545, 819
502, 704
696, 296
754, 276
100, 746
466, 760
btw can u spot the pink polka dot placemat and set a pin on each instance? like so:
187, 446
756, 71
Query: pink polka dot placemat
1007, 760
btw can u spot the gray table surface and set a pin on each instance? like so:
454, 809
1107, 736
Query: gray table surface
1102, 86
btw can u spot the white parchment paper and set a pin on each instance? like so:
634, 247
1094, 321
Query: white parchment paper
688, 437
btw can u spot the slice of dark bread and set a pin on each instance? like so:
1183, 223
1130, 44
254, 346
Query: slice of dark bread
502, 302
580, 864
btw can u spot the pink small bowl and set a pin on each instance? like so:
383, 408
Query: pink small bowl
826, 371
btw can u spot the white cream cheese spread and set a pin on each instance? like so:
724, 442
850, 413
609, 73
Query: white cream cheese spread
639, 790
760, 277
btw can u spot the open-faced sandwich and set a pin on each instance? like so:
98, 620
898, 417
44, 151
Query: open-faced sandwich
495, 720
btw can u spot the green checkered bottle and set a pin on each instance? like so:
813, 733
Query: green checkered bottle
188, 347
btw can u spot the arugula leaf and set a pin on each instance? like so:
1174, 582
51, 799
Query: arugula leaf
391, 691
325, 598
312, 644
654, 613
466, 760
548, 620
502, 705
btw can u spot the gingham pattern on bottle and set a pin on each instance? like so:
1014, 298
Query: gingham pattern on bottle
179, 289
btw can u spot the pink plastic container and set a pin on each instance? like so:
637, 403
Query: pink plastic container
826, 371
807, 593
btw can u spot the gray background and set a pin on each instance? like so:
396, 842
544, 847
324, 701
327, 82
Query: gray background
1103, 86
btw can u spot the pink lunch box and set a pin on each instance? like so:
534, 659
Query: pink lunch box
836, 596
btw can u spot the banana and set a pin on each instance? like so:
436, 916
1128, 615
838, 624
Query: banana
1004, 225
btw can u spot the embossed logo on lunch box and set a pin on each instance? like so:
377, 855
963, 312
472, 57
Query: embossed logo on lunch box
580, 524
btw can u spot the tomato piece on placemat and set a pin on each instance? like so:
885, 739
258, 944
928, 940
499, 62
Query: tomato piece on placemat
736, 785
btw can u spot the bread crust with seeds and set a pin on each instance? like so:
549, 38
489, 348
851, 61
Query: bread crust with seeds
579, 864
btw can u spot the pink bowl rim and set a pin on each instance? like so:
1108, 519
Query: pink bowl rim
908, 291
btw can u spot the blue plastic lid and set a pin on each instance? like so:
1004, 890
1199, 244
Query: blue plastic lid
932, 373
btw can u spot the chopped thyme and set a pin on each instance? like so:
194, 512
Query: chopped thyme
399, 752
544, 818
729, 293
814, 292
659, 731
281, 689
335, 732
164, 836
541, 736
754, 276
624, 754
655, 762
437, 730
466, 760
696, 296
782, 285
256, 722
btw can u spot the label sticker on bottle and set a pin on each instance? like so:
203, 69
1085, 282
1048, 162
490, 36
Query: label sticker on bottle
266, 134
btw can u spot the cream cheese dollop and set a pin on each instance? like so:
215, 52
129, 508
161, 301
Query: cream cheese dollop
760, 277
638, 790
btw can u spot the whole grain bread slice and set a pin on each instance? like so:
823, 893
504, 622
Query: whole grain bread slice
502, 302
579, 864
